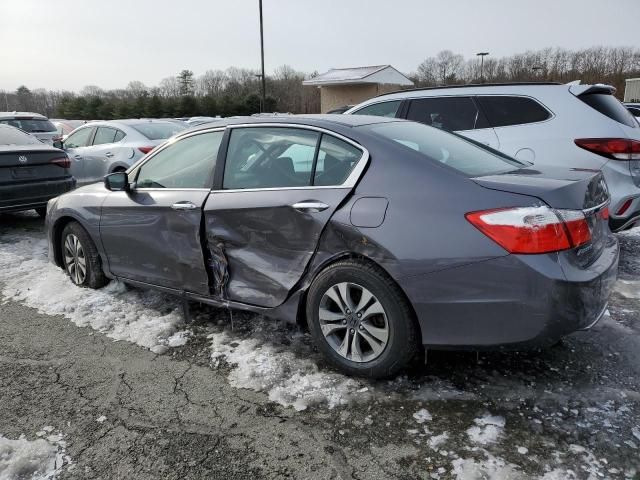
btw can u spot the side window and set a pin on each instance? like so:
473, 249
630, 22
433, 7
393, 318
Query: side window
269, 157
502, 111
383, 109
336, 160
104, 135
187, 163
119, 136
79, 138
447, 113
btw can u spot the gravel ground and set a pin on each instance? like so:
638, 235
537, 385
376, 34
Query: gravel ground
114, 409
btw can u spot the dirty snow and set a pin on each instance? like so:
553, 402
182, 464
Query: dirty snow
265, 366
39, 459
487, 429
422, 416
147, 318
628, 288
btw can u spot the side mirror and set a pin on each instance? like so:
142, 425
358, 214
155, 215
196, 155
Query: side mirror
117, 182
58, 144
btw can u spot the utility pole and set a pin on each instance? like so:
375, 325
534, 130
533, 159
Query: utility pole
264, 87
482, 55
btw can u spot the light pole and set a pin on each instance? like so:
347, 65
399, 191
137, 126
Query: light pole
264, 88
482, 55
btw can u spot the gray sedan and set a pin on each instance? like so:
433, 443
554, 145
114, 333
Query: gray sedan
379, 235
99, 148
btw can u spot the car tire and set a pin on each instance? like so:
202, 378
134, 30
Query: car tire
41, 211
78, 252
397, 319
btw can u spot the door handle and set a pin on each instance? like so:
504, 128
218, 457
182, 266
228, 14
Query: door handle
183, 206
310, 206
108, 154
77, 157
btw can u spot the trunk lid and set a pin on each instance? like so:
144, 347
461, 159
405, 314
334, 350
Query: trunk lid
30, 163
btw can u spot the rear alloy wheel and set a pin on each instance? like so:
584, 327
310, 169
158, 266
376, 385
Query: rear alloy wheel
80, 257
360, 319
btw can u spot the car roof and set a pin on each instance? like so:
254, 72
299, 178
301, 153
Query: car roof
21, 114
468, 89
315, 120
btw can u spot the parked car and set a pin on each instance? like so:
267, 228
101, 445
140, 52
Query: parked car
341, 109
65, 127
31, 172
33, 123
380, 234
572, 125
99, 148
634, 109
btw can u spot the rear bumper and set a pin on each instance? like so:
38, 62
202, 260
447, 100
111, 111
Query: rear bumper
511, 302
25, 196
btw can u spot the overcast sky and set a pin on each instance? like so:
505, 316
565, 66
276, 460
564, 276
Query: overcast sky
67, 44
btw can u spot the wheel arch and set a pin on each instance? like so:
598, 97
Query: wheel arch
301, 318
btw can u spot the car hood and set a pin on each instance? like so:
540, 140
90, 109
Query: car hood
574, 188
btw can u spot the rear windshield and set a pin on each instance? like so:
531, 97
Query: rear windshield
610, 106
31, 125
12, 136
447, 148
158, 131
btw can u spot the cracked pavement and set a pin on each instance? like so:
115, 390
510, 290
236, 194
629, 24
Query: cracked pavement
172, 416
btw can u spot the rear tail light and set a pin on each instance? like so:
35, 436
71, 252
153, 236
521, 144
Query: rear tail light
533, 229
616, 148
63, 162
145, 150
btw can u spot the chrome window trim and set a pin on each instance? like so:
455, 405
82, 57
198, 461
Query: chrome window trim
355, 112
349, 182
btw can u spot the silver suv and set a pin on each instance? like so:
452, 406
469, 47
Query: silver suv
37, 125
569, 125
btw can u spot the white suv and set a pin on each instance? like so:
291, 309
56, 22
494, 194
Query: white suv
571, 125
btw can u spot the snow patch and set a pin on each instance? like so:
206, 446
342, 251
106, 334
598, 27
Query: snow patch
262, 363
147, 318
38, 459
437, 440
487, 429
422, 416
490, 468
628, 288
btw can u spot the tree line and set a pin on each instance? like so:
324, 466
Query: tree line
237, 91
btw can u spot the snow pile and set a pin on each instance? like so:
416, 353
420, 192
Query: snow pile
487, 429
36, 459
147, 318
263, 363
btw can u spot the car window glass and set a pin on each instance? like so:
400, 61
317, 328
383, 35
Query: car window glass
187, 163
119, 136
336, 160
447, 113
80, 138
269, 157
502, 111
158, 130
104, 135
382, 109
13, 136
31, 125
446, 148
610, 106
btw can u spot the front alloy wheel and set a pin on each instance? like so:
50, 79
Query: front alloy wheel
74, 259
353, 322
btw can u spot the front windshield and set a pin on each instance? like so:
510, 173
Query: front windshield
449, 149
